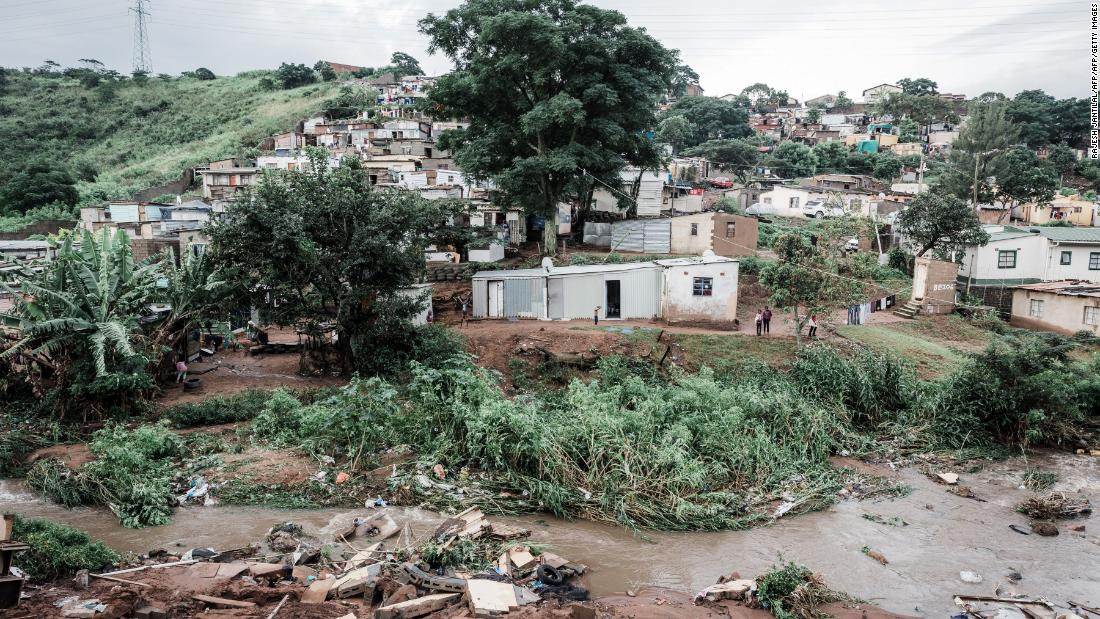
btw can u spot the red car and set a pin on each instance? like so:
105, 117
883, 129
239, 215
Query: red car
721, 182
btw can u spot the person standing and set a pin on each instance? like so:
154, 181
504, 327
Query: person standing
767, 316
596, 315
759, 321
813, 325
181, 371
462, 323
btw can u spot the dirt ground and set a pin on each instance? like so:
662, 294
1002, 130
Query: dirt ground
229, 372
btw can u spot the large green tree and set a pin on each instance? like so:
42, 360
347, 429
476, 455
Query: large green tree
939, 221
712, 119
793, 160
1044, 120
977, 156
832, 156
1024, 178
38, 184
918, 86
736, 156
318, 247
553, 89
804, 280
77, 325
404, 64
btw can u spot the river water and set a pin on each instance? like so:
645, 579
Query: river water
946, 534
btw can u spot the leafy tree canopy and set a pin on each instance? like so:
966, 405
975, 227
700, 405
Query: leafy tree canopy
842, 101
736, 156
712, 119
1044, 120
294, 75
831, 156
39, 184
977, 155
918, 87
404, 64
940, 221
1023, 178
552, 88
325, 70
319, 247
793, 160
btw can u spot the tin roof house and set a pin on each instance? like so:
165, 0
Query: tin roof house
683, 289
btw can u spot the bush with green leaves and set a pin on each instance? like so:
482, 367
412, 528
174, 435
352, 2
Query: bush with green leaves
1023, 389
792, 591
872, 387
216, 410
58, 550
131, 473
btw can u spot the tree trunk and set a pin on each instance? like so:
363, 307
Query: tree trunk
550, 234
797, 328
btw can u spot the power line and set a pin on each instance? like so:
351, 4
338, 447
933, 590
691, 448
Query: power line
143, 57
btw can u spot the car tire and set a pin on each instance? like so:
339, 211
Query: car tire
548, 575
820, 215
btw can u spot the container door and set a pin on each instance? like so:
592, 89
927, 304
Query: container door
496, 299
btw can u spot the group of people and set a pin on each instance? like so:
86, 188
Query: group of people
764, 322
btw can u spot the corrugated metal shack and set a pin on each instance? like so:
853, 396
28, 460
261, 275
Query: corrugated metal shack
639, 290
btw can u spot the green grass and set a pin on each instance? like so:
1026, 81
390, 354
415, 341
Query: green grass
948, 329
734, 352
133, 136
930, 358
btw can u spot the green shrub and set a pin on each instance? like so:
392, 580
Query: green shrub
131, 473
1021, 390
873, 387
217, 410
58, 550
750, 265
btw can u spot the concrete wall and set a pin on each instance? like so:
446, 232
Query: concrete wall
1060, 313
684, 242
492, 253
938, 291
981, 263
680, 302
144, 248
52, 226
746, 235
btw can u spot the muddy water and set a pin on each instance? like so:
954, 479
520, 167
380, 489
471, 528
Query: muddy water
925, 557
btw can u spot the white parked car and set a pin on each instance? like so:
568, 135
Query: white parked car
760, 208
820, 208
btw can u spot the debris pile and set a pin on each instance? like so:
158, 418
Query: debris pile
1055, 506
376, 568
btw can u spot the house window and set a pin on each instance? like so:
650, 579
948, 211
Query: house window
1094, 261
1036, 309
856, 204
731, 229
702, 286
694, 229
794, 203
1067, 257
1007, 259
767, 200
1092, 316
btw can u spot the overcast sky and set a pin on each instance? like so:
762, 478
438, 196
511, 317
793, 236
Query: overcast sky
808, 47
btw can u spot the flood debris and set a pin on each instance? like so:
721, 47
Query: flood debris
973, 578
1046, 529
1055, 506
468, 566
874, 554
1008, 607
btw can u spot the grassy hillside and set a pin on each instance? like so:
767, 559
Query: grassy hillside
123, 136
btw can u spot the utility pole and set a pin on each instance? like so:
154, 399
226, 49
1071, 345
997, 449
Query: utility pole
920, 171
143, 59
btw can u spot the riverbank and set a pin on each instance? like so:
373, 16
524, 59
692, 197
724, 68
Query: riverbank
944, 534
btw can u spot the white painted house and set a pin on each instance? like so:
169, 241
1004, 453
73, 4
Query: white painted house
1015, 256
685, 289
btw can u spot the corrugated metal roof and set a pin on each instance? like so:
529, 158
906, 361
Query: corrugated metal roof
681, 262
1009, 232
569, 270
1071, 235
1069, 287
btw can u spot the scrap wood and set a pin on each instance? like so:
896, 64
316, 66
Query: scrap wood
209, 599
521, 558
382, 525
148, 567
489, 598
362, 557
119, 580
469, 523
501, 531
276, 611
420, 578
418, 607
1083, 607
1055, 505
231, 570
318, 591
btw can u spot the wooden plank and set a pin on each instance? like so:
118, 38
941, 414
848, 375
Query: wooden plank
205, 570
318, 591
410, 609
231, 570
209, 599
489, 598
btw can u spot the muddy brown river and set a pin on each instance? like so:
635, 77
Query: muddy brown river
946, 534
